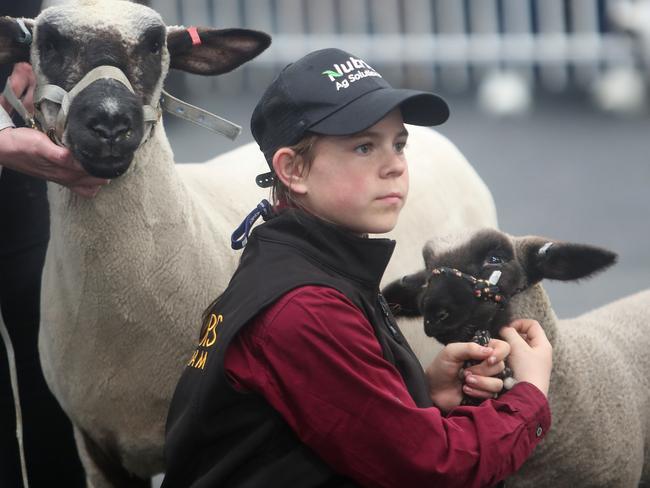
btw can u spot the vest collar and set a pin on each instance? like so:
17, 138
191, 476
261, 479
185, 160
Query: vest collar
358, 258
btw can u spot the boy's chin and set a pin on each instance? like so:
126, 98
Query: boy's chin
379, 227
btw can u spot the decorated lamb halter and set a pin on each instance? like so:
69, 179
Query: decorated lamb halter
487, 290
63, 99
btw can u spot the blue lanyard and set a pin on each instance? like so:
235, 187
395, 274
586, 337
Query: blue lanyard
239, 238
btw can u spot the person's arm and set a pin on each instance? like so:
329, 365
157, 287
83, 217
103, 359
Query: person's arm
31, 152
315, 358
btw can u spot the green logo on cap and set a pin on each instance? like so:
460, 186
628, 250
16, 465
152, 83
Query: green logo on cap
331, 73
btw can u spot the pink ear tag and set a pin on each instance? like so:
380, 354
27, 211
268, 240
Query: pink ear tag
194, 35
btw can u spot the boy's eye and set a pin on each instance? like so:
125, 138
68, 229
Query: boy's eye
399, 147
363, 148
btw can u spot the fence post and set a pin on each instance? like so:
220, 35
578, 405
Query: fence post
450, 21
552, 34
584, 28
418, 23
385, 21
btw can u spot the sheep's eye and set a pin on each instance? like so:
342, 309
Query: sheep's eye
51, 45
494, 260
155, 47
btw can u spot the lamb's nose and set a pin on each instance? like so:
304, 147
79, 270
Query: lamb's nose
111, 130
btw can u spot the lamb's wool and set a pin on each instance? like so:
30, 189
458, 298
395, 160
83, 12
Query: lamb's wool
599, 395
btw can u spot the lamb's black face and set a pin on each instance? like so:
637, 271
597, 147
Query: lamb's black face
105, 121
451, 311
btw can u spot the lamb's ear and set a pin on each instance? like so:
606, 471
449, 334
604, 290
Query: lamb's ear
208, 51
403, 295
428, 254
14, 42
563, 261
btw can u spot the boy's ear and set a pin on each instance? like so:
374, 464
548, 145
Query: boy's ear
563, 261
289, 168
403, 295
208, 51
14, 43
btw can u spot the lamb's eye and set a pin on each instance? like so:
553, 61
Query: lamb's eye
438, 316
494, 260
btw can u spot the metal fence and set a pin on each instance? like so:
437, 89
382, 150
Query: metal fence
444, 44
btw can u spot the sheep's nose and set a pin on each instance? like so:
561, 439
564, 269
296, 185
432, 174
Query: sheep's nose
111, 130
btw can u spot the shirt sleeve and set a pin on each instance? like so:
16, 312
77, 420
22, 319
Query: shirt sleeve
314, 356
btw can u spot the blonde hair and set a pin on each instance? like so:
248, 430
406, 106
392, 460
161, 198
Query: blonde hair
304, 149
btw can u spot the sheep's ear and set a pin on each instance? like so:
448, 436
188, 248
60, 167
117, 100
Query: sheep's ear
208, 51
403, 295
14, 43
563, 260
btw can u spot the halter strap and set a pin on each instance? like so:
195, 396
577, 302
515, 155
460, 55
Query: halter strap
487, 290
18, 106
151, 114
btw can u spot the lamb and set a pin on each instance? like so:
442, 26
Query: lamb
599, 385
128, 273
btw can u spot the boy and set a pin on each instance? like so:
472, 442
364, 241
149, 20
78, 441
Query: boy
301, 376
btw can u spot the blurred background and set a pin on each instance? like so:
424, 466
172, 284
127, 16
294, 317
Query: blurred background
548, 102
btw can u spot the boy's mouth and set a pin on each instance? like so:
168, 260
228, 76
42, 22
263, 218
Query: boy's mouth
390, 197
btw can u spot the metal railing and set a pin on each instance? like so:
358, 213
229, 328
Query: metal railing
443, 44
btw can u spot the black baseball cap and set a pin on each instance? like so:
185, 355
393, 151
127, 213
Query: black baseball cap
332, 92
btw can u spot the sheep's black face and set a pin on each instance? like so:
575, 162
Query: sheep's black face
105, 123
451, 311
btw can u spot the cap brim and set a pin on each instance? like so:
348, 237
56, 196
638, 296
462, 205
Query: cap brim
418, 108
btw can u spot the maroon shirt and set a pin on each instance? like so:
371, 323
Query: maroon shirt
314, 356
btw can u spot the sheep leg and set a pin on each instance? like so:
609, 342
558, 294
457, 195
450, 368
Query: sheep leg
103, 469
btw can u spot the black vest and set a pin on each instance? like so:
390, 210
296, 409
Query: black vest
219, 437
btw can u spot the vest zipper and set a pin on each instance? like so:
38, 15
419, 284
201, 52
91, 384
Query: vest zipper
388, 318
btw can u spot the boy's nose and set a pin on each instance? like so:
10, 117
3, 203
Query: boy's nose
395, 165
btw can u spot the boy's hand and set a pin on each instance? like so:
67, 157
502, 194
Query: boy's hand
531, 356
445, 384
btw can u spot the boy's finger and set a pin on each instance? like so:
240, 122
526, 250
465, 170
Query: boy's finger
511, 336
460, 352
485, 369
534, 333
501, 349
484, 383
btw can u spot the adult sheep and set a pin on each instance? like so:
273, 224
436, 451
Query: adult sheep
128, 273
599, 389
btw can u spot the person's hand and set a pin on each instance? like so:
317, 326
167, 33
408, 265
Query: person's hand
22, 83
31, 152
531, 354
446, 386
